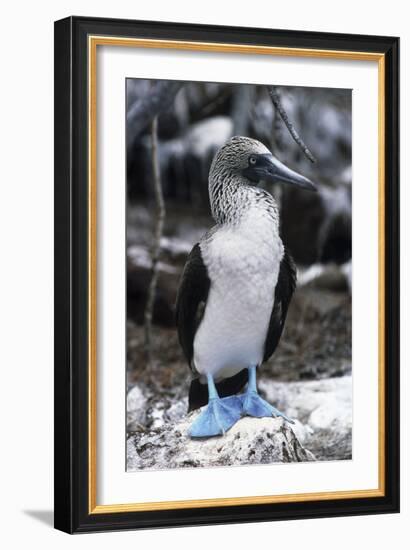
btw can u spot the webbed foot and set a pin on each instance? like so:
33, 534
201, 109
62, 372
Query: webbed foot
217, 418
254, 405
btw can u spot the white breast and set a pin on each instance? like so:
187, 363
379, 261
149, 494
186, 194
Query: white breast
243, 265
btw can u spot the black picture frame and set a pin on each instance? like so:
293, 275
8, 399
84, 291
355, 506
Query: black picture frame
72, 513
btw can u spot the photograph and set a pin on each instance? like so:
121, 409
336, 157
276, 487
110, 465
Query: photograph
239, 274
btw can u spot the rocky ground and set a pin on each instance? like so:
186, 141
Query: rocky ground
322, 429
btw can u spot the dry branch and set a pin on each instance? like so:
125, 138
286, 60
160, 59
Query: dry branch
159, 226
284, 116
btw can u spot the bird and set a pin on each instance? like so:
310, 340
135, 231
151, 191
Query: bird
235, 288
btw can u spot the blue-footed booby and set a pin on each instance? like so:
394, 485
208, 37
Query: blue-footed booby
236, 288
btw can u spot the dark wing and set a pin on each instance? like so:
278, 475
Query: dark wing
191, 301
284, 290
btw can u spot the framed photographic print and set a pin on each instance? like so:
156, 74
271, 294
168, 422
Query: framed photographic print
226, 274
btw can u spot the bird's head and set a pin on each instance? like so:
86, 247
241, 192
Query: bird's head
249, 159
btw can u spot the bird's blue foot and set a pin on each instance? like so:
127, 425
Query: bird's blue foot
217, 418
254, 405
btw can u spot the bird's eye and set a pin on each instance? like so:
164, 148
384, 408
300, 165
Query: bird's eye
252, 160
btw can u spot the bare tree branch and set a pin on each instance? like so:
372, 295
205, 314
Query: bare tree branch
141, 113
279, 107
159, 226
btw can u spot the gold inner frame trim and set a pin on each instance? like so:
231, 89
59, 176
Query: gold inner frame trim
93, 42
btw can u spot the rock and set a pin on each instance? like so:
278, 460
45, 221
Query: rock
323, 409
175, 250
301, 399
136, 409
347, 270
326, 276
167, 412
205, 137
249, 441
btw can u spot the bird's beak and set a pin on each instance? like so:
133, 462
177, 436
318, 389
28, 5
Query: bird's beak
276, 171
270, 169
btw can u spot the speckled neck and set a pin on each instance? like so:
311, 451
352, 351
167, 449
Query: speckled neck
232, 197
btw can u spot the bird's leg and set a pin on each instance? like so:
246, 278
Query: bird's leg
218, 416
252, 402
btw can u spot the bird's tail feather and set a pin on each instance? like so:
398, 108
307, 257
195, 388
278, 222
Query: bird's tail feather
198, 393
